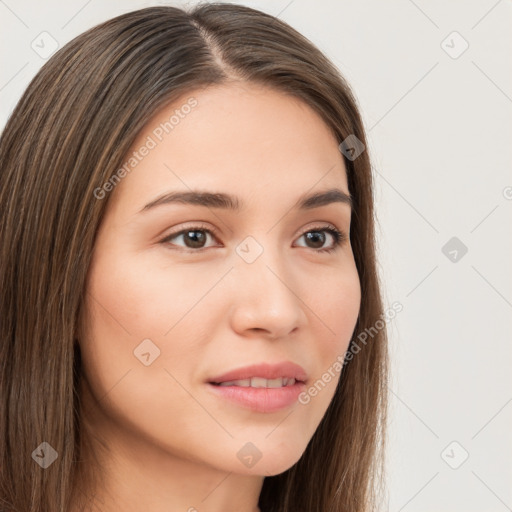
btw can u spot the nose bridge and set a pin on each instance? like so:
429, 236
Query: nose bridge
265, 297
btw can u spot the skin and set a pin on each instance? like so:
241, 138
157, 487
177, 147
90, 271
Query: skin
173, 444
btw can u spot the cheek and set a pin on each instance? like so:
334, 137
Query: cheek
334, 311
128, 303
140, 299
132, 299
336, 305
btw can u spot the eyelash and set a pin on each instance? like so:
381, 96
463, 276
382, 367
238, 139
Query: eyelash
338, 236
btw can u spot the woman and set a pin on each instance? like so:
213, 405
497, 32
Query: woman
188, 256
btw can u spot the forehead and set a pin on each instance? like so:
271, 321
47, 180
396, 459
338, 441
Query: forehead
243, 139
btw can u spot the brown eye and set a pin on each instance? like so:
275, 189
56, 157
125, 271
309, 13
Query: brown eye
316, 238
193, 238
196, 238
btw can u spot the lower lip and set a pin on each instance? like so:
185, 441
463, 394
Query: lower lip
261, 399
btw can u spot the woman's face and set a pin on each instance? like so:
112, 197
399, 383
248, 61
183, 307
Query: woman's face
181, 293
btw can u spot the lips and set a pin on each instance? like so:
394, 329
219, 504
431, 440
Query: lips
259, 382
261, 388
263, 375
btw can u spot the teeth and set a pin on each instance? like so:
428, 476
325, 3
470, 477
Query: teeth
242, 383
272, 383
259, 382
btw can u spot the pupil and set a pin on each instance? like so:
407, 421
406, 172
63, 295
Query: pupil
196, 240
316, 236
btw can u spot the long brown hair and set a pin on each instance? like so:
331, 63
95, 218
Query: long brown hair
69, 133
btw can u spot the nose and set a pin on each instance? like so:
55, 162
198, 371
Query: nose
265, 299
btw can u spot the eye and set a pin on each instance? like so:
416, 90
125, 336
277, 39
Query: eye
317, 238
194, 237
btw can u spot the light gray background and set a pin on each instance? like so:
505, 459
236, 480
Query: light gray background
439, 129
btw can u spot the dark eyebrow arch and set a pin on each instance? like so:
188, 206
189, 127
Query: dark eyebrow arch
228, 202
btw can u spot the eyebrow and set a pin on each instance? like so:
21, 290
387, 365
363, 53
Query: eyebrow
228, 202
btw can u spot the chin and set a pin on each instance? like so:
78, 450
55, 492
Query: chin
272, 463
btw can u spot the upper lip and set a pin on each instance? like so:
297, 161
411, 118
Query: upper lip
287, 370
